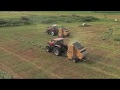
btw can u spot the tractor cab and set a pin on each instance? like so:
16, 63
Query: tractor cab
57, 41
51, 43
53, 29
57, 46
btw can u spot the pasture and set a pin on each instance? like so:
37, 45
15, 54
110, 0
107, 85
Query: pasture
22, 59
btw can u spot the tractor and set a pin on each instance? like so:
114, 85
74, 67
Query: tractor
56, 46
54, 30
74, 52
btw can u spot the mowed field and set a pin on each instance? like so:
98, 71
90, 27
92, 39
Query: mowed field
23, 60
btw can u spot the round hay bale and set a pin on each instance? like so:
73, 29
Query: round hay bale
83, 24
116, 20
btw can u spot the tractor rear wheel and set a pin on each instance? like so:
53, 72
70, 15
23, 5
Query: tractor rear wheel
53, 33
48, 49
57, 51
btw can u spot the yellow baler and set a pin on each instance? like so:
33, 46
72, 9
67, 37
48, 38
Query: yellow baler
62, 32
76, 52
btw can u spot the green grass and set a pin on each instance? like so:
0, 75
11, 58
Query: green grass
24, 60
29, 19
15, 21
4, 75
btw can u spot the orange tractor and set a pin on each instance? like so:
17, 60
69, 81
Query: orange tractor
74, 52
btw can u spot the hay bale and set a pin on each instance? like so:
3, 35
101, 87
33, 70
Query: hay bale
116, 20
84, 25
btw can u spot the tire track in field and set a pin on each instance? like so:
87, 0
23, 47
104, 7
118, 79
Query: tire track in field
102, 71
94, 68
9, 71
29, 62
106, 65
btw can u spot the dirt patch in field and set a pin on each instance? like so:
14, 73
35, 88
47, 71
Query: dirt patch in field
28, 35
9, 71
114, 17
31, 53
10, 45
28, 53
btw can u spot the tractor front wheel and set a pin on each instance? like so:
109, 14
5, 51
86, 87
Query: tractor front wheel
53, 33
57, 51
48, 49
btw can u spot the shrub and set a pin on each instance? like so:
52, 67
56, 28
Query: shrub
117, 39
25, 18
63, 18
68, 21
89, 19
49, 20
74, 15
2, 21
15, 22
63, 15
